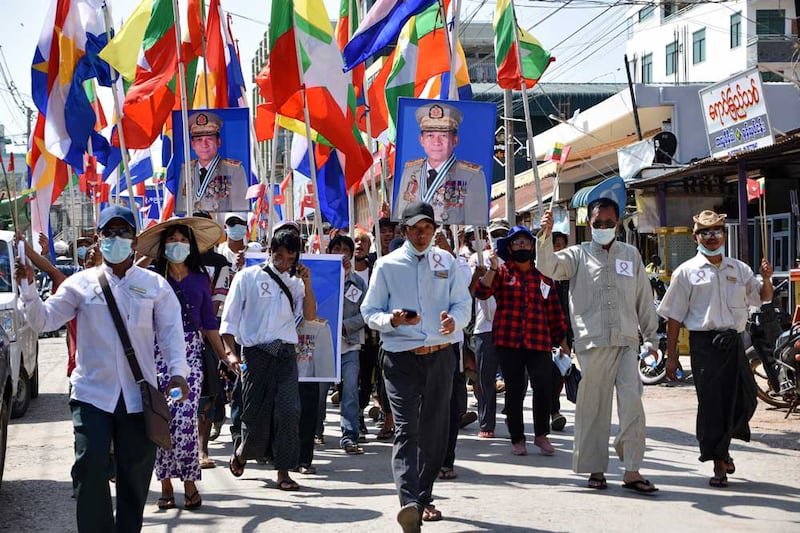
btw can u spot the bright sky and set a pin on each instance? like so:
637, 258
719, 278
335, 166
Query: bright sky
593, 53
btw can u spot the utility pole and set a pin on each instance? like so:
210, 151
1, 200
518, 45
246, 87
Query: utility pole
508, 112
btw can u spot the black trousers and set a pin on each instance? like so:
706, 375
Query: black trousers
135, 455
419, 388
458, 406
726, 394
309, 410
486, 358
367, 363
539, 365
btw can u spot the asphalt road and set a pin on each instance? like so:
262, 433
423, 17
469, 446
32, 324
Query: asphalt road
495, 491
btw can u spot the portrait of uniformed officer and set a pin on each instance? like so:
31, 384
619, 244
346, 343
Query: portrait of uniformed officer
220, 184
456, 189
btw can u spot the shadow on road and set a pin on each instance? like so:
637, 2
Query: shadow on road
34, 503
47, 407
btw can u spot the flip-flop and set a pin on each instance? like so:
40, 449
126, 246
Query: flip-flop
166, 503
238, 469
431, 514
192, 502
447, 473
730, 468
718, 482
598, 483
288, 485
207, 462
642, 486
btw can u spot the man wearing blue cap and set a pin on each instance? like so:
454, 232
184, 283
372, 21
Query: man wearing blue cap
611, 301
106, 401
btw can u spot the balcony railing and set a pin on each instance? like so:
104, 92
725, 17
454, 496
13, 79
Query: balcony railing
770, 49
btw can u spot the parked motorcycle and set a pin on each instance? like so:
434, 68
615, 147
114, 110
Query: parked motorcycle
772, 343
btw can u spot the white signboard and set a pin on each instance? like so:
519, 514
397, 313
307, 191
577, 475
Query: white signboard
735, 114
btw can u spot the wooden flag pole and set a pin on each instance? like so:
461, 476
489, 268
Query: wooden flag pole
118, 110
187, 157
528, 123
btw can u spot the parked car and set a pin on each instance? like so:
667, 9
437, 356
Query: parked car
6, 388
23, 340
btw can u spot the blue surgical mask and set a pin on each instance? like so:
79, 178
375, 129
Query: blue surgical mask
236, 232
177, 252
604, 236
81, 251
115, 250
414, 251
705, 251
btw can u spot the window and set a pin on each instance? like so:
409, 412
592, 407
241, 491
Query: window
646, 12
771, 77
672, 58
770, 21
736, 30
699, 46
647, 68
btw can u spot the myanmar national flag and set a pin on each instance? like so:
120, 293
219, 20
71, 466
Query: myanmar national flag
329, 92
150, 32
519, 56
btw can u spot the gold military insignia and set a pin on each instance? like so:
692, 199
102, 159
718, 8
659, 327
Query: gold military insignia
415, 162
468, 165
201, 120
436, 111
233, 162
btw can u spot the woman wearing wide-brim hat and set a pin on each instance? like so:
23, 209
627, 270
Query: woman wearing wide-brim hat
175, 246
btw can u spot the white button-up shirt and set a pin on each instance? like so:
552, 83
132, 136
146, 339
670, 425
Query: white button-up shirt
704, 297
258, 312
151, 312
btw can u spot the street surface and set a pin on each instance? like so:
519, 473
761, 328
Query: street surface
494, 491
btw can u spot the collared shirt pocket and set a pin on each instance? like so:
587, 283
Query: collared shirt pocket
735, 293
141, 313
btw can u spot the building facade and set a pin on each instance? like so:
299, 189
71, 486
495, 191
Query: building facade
671, 42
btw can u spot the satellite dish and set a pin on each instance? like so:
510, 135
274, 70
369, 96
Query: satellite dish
666, 144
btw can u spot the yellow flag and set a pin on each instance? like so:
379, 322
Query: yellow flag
122, 53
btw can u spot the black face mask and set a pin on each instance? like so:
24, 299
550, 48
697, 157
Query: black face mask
521, 256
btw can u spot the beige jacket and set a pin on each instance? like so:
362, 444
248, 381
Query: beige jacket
609, 292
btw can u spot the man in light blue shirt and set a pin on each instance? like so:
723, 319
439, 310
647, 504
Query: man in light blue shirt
417, 299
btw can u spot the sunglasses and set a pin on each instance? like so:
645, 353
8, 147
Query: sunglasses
709, 233
521, 242
108, 233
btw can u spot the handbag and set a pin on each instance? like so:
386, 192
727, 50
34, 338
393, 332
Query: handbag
571, 381
211, 380
154, 404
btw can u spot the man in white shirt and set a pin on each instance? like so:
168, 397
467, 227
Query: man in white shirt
106, 402
264, 305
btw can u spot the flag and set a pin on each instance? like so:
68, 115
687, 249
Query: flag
518, 54
47, 177
755, 188
333, 201
100, 122
554, 153
329, 93
66, 55
380, 28
225, 79
11, 162
346, 26
151, 31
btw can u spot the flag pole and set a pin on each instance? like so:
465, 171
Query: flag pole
528, 123
311, 159
271, 183
204, 43
187, 158
452, 88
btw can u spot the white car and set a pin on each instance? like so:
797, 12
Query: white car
24, 341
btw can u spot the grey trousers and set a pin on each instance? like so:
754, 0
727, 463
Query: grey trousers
270, 407
419, 388
605, 369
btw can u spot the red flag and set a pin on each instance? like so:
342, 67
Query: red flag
11, 163
265, 122
255, 191
753, 190
278, 199
285, 182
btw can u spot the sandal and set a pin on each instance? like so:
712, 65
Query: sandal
486, 434
447, 473
353, 449
719, 482
192, 502
730, 468
385, 434
431, 514
236, 466
288, 484
599, 483
207, 462
305, 469
166, 503
642, 486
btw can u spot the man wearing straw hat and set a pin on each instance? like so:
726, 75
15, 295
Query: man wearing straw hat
219, 184
455, 189
709, 294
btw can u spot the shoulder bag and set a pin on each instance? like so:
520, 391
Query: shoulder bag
154, 404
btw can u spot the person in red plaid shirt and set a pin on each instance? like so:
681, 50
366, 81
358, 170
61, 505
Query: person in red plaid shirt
528, 322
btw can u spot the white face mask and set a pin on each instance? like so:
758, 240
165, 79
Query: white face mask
413, 251
705, 251
604, 236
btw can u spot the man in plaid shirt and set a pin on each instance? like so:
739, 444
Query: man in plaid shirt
528, 322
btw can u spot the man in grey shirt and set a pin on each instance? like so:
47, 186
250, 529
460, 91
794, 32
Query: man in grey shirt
610, 300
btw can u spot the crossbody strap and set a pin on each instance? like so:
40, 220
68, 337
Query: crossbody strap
280, 283
130, 354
